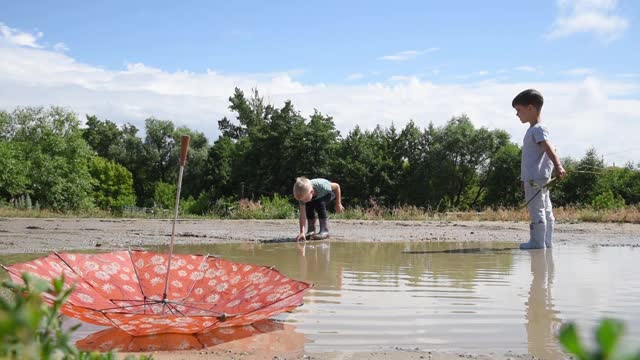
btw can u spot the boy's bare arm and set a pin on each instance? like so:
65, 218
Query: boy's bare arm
554, 158
335, 187
302, 220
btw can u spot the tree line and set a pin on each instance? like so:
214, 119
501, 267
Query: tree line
47, 155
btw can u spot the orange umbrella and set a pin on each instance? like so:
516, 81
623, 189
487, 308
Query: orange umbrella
264, 335
145, 293
125, 289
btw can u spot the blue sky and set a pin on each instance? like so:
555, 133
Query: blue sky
359, 61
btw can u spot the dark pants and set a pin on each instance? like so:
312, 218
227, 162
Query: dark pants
318, 205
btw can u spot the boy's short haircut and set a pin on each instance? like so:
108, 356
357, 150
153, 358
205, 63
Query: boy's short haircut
529, 97
301, 187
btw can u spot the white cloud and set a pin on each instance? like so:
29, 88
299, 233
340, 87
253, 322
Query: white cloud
401, 56
599, 17
526, 68
60, 47
628, 75
401, 78
407, 55
475, 74
579, 72
355, 76
580, 113
16, 37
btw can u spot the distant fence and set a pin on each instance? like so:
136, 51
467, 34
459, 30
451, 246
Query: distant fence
144, 210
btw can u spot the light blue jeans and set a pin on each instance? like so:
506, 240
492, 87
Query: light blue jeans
540, 212
540, 209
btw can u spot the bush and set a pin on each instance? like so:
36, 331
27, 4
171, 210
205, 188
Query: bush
277, 207
30, 329
608, 335
112, 184
199, 206
164, 195
607, 201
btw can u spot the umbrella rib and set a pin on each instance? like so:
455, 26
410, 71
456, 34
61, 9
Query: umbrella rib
81, 277
168, 307
109, 319
193, 285
9, 270
136, 272
123, 307
171, 307
132, 300
244, 288
175, 308
275, 302
197, 308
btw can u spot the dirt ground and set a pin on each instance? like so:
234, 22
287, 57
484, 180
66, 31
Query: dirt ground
22, 235
28, 235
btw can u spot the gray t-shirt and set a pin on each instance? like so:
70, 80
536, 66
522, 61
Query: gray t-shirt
536, 164
321, 187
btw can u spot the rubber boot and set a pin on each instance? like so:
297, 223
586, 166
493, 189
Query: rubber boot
324, 230
537, 233
311, 228
548, 236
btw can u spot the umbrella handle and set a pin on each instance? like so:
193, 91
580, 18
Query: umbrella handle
185, 147
183, 160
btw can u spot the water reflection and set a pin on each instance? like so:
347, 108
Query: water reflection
542, 319
444, 296
269, 337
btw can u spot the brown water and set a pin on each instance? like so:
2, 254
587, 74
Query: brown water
477, 297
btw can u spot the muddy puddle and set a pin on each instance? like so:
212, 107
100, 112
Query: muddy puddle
477, 297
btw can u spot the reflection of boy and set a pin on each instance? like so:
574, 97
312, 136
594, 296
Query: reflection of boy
313, 196
542, 319
538, 161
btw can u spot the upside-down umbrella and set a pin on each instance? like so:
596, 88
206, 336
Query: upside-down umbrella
144, 293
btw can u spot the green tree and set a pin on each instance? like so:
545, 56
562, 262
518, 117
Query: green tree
14, 178
123, 146
165, 195
58, 157
221, 159
113, 184
104, 137
580, 185
503, 180
417, 185
195, 172
623, 182
314, 150
464, 154
158, 145
266, 147
134, 158
365, 166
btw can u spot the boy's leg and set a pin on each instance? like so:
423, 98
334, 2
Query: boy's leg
548, 211
311, 219
323, 218
536, 209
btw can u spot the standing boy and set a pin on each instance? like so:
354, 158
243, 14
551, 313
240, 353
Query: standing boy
313, 196
538, 162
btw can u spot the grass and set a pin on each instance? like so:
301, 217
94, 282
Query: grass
281, 209
625, 215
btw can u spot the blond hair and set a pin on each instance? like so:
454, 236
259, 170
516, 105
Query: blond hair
301, 187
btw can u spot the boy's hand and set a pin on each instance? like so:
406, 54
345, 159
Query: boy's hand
300, 236
561, 171
339, 208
